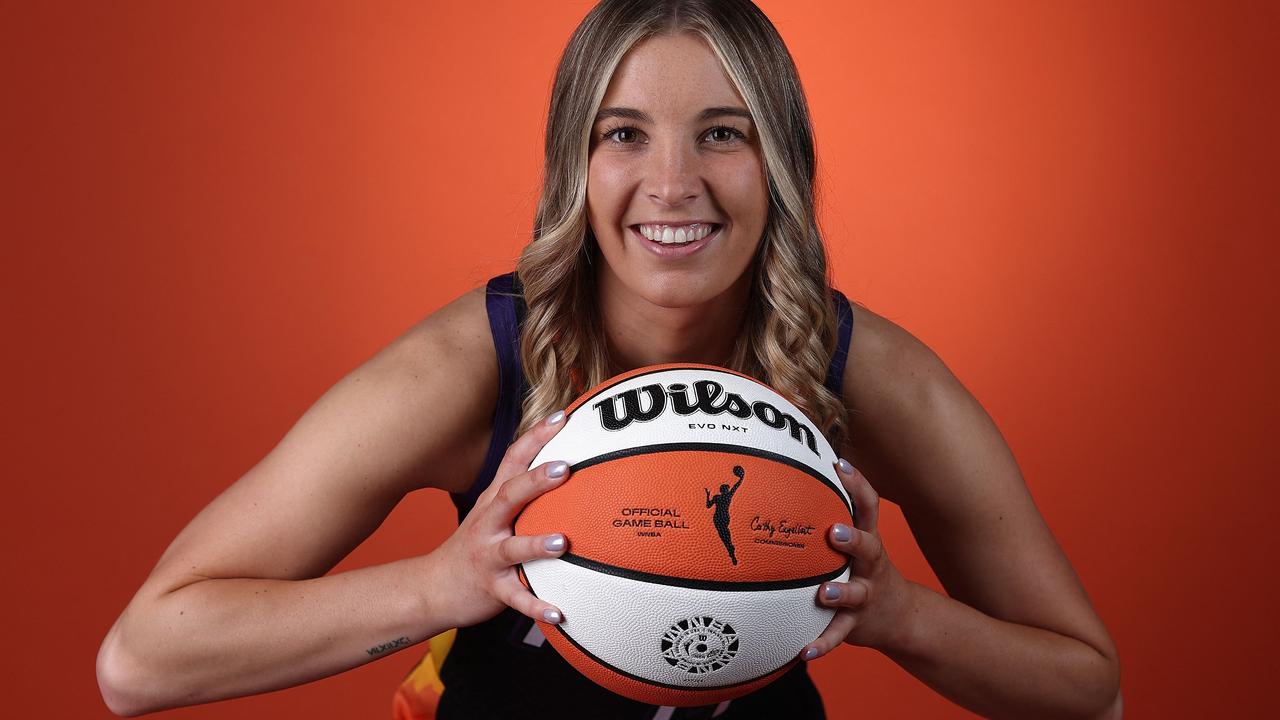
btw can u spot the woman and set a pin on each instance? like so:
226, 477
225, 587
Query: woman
668, 121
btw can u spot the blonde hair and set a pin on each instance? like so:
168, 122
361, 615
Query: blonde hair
790, 330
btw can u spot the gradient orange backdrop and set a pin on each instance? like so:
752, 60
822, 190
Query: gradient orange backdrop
216, 210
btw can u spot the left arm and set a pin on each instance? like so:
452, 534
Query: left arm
1016, 636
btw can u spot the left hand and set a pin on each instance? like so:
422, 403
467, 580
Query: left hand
872, 607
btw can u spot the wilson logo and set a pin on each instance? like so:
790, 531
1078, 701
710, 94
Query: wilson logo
709, 398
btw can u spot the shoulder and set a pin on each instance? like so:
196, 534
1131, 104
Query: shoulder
461, 327
892, 380
886, 363
446, 368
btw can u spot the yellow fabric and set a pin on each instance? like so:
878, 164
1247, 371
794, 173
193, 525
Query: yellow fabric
418, 693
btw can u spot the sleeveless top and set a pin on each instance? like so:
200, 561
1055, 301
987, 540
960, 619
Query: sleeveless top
503, 667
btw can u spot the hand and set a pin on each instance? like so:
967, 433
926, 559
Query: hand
872, 607
478, 559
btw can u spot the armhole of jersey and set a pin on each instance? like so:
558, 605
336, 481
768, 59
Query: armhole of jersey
839, 358
521, 310
504, 320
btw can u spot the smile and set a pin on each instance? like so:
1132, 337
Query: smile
676, 234
696, 237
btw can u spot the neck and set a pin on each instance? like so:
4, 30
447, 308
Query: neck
641, 333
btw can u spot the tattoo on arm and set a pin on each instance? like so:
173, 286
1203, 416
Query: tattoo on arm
384, 647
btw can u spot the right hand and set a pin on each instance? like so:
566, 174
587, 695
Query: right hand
479, 557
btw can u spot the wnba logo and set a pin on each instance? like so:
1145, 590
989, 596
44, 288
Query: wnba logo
699, 645
721, 517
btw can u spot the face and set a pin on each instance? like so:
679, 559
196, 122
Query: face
664, 159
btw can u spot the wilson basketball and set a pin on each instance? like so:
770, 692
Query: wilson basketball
696, 517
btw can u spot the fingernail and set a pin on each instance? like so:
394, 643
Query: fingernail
845, 467
841, 532
810, 653
555, 543
551, 616
557, 469
556, 418
830, 592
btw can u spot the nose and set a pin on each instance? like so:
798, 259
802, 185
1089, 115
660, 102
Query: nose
673, 175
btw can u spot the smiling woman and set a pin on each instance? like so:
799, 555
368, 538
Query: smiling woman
676, 225
660, 124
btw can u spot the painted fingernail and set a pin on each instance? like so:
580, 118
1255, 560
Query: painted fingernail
841, 532
551, 616
557, 469
556, 418
810, 653
555, 543
830, 592
845, 467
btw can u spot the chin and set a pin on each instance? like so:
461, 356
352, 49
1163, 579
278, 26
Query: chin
679, 289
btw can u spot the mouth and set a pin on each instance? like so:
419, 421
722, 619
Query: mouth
673, 249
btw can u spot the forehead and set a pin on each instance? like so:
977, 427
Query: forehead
671, 75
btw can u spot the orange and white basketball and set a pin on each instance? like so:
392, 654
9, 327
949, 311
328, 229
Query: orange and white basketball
696, 517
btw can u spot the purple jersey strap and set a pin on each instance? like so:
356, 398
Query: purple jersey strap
505, 303
844, 319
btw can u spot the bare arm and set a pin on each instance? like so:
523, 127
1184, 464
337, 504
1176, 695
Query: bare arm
1002, 669
230, 637
239, 603
1016, 636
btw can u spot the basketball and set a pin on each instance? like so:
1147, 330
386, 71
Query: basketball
696, 517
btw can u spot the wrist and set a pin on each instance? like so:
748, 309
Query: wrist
903, 638
430, 609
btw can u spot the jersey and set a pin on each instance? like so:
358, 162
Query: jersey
504, 667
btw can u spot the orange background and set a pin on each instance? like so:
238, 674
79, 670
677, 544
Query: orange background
216, 210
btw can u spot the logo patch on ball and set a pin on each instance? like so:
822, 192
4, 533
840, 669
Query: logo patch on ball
699, 645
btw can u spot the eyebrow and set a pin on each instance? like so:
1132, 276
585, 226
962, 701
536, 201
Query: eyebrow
642, 116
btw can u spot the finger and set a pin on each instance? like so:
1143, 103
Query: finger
526, 447
519, 490
851, 595
841, 625
866, 501
516, 595
865, 547
523, 548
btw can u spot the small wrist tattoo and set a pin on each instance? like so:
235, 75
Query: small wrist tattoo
384, 647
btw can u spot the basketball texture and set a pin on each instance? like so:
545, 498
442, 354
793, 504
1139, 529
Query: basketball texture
696, 517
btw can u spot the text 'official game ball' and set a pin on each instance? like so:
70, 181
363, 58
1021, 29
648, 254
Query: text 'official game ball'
696, 517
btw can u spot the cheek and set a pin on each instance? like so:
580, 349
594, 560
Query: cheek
606, 205
606, 187
744, 194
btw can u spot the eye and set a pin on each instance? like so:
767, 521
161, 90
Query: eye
620, 129
725, 135
734, 134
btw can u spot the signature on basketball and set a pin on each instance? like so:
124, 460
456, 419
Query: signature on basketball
781, 527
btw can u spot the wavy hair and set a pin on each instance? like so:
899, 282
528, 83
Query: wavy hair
789, 331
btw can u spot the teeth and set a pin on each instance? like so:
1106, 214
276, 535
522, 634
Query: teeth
666, 235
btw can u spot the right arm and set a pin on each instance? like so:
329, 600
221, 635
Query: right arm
240, 604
